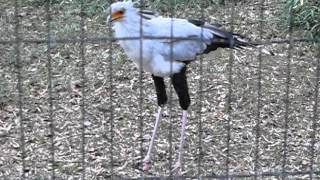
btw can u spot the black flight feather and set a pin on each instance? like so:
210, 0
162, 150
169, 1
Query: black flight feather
222, 38
147, 14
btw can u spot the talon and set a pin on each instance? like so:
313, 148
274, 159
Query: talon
146, 166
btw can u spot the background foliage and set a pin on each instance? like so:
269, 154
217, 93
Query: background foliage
305, 15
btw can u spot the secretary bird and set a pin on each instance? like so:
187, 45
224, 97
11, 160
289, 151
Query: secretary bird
168, 46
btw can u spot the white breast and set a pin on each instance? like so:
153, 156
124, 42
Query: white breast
132, 47
136, 54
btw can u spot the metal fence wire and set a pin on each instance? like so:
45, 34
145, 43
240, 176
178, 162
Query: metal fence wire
72, 107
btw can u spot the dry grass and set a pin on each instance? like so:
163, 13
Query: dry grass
125, 91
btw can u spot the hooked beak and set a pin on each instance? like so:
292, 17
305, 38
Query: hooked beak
115, 16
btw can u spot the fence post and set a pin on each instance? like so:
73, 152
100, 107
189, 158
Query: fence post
50, 100
18, 67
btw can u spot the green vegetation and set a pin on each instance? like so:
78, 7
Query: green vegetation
305, 13
93, 7
167, 5
306, 16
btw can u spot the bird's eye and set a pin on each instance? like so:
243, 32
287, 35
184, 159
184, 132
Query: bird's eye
122, 11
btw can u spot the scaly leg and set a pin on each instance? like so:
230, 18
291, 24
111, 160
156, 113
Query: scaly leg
162, 100
184, 121
147, 159
179, 81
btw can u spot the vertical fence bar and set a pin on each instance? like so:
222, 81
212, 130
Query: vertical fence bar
287, 97
50, 100
18, 66
111, 108
200, 97
229, 99
141, 86
315, 117
83, 93
258, 120
172, 8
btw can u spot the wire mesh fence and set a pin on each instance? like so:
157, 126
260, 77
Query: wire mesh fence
73, 107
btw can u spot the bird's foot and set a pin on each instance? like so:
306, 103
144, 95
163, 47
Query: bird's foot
146, 165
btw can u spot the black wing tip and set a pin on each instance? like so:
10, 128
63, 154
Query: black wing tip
196, 22
225, 39
242, 41
241, 45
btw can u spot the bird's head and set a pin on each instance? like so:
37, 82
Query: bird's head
120, 11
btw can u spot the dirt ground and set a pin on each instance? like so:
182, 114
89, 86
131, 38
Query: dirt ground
112, 94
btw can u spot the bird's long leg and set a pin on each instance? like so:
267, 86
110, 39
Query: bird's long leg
184, 121
147, 159
179, 81
162, 99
